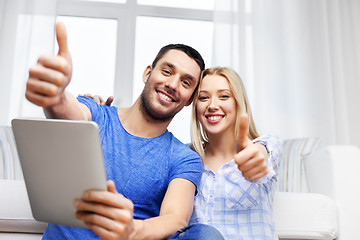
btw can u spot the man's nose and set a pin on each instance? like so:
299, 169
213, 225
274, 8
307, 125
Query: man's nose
173, 83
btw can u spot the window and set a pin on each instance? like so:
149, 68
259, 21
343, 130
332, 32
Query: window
92, 42
125, 37
113, 1
194, 4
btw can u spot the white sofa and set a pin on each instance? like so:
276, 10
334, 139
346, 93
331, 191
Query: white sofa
333, 171
330, 210
16, 220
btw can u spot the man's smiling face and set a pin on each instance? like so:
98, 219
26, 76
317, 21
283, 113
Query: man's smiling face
169, 86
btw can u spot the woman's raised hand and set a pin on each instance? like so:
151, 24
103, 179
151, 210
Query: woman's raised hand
251, 158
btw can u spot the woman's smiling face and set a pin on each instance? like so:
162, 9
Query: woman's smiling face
216, 105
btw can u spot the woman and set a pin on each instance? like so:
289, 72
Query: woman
240, 168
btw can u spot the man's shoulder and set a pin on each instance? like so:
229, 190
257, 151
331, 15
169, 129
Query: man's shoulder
181, 149
99, 113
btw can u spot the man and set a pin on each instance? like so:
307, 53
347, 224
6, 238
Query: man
156, 175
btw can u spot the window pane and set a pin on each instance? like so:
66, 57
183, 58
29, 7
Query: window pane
152, 34
92, 43
113, 1
195, 4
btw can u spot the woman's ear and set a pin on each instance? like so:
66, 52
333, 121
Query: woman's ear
147, 73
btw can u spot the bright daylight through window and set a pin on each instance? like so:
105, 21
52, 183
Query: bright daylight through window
112, 41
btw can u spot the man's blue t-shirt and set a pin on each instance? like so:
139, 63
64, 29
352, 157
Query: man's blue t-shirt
141, 168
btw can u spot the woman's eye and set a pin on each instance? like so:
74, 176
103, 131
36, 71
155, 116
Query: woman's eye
224, 96
202, 98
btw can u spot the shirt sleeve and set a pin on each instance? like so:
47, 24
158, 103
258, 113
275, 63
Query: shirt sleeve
273, 146
96, 110
188, 166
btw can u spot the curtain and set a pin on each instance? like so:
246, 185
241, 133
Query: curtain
300, 63
24, 34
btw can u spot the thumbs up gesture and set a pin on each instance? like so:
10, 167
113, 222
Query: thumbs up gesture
251, 158
49, 77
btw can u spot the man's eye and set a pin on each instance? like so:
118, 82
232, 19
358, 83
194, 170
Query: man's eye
186, 82
166, 72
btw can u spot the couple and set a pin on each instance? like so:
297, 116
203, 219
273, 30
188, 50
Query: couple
152, 176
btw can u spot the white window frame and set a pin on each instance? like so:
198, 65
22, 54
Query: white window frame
126, 14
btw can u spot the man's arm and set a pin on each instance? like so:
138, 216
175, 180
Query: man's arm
68, 108
48, 80
109, 214
175, 212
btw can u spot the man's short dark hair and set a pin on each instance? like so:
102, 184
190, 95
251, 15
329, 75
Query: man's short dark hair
191, 52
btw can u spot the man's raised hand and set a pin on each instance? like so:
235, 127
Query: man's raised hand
52, 73
251, 160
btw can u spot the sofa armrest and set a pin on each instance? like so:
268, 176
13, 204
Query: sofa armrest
15, 211
305, 216
333, 171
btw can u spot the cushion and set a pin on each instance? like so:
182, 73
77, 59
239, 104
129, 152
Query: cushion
292, 176
305, 216
15, 211
9, 161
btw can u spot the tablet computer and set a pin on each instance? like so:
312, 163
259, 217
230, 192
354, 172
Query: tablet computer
60, 159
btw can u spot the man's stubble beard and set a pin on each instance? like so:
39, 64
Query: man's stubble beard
149, 111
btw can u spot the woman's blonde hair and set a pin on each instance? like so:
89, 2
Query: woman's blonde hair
199, 137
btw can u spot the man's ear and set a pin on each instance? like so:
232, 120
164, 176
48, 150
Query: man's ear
147, 73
